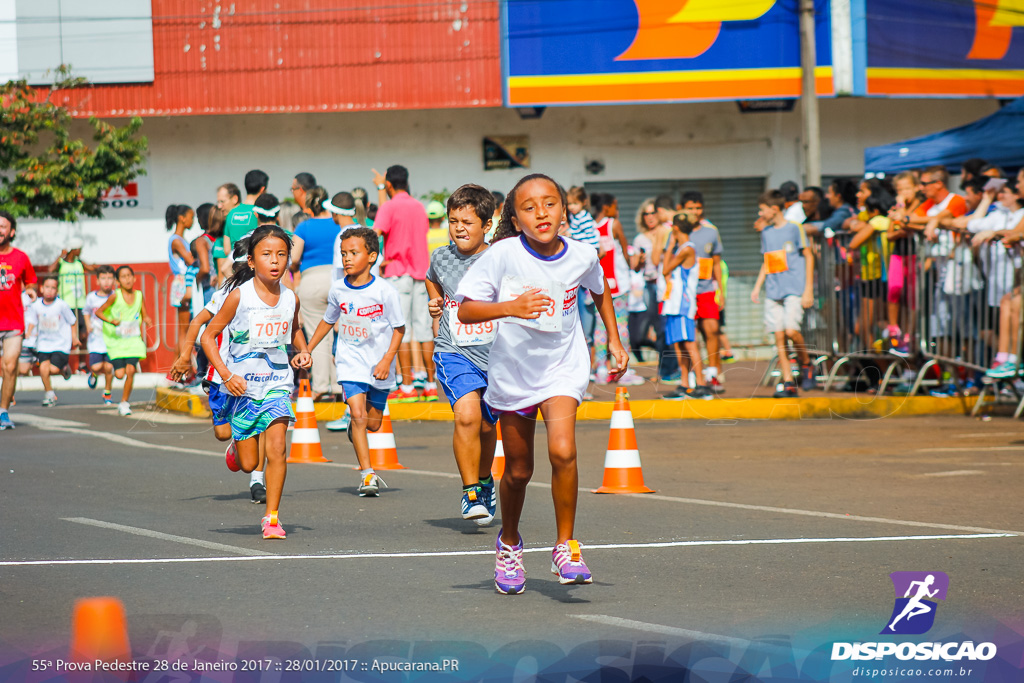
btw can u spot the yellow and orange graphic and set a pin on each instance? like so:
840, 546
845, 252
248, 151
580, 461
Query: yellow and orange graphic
994, 22
682, 29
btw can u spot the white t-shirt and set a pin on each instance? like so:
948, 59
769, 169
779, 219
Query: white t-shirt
528, 365
93, 302
29, 342
258, 339
795, 213
53, 325
367, 316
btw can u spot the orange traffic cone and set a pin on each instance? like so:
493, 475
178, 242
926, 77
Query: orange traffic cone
622, 472
305, 437
498, 464
99, 631
383, 450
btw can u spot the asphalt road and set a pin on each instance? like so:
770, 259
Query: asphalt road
782, 533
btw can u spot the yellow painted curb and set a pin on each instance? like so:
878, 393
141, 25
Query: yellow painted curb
813, 408
182, 402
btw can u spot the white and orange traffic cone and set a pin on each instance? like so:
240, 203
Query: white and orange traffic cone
498, 464
622, 471
383, 449
306, 446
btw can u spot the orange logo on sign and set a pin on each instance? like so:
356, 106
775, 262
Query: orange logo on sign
677, 29
993, 27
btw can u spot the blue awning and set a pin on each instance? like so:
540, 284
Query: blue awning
997, 138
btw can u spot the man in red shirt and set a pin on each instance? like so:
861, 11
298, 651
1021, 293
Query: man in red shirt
15, 274
402, 221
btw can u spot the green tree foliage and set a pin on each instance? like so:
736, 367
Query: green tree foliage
47, 173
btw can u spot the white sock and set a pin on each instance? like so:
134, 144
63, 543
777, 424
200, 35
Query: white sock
1011, 358
51, 394
363, 473
712, 371
432, 385
257, 476
407, 388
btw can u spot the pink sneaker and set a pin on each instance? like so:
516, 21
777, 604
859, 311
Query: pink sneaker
272, 526
231, 457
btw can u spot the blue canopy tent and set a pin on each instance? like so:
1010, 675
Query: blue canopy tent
997, 138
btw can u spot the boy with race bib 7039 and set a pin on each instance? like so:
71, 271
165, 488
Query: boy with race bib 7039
461, 350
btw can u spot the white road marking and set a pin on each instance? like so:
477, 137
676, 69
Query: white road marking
827, 515
671, 631
167, 537
57, 425
951, 473
464, 553
978, 435
40, 422
974, 449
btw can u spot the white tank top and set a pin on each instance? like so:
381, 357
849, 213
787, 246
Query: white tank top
258, 340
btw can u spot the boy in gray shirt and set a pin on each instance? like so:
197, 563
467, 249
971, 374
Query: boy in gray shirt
461, 350
787, 274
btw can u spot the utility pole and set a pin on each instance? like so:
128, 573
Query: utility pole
810, 124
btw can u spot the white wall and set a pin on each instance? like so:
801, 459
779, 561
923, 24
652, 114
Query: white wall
190, 156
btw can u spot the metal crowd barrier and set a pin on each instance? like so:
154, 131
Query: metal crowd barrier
943, 294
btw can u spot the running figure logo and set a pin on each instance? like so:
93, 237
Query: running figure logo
914, 611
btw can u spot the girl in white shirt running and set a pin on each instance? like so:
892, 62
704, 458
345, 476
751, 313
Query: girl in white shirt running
539, 361
261, 320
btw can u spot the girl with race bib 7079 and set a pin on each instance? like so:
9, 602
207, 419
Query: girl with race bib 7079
260, 319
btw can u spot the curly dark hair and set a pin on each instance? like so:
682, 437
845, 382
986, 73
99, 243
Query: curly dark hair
506, 228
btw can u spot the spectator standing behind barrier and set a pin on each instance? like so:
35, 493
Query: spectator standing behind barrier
437, 226
998, 213
787, 274
902, 285
402, 222
649, 323
241, 220
616, 267
301, 184
203, 247
71, 270
313, 260
179, 218
794, 209
580, 226
708, 245
815, 207
16, 273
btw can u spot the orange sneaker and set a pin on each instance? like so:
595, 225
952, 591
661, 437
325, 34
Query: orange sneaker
400, 396
429, 394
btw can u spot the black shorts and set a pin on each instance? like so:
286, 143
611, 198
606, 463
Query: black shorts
119, 363
873, 289
97, 358
57, 359
721, 319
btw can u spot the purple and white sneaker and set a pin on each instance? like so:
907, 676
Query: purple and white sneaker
509, 574
567, 563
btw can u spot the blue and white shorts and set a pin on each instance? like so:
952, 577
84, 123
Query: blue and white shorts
250, 417
680, 328
377, 398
